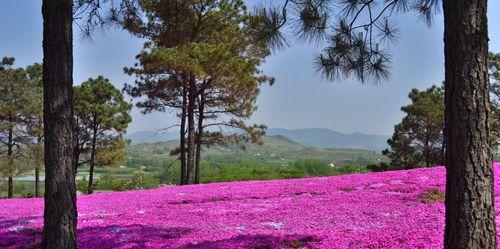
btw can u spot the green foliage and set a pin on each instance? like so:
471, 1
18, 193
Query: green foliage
378, 167
418, 139
109, 182
35, 117
275, 150
101, 116
18, 96
244, 171
494, 71
313, 167
247, 171
21, 189
202, 62
82, 185
357, 34
143, 181
130, 180
101, 113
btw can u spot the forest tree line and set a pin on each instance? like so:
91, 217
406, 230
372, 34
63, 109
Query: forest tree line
101, 118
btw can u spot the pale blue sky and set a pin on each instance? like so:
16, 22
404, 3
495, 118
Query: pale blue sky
299, 99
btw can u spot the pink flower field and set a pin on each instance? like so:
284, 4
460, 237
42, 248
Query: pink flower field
378, 210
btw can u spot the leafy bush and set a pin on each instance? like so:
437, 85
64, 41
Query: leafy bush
143, 181
82, 185
378, 167
109, 182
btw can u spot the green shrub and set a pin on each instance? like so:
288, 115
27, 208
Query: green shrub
378, 167
143, 181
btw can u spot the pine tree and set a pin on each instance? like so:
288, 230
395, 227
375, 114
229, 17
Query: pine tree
102, 117
202, 60
35, 121
14, 94
418, 138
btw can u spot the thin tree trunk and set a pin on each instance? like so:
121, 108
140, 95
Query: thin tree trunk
10, 144
92, 159
77, 142
37, 181
427, 150
443, 149
11, 187
191, 133
60, 215
183, 137
38, 166
470, 213
201, 107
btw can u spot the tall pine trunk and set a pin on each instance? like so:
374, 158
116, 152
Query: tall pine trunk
199, 138
470, 213
60, 216
10, 188
182, 145
37, 181
427, 149
191, 147
37, 167
443, 149
10, 144
92, 159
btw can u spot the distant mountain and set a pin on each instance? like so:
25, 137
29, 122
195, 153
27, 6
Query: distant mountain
151, 137
275, 150
325, 138
312, 137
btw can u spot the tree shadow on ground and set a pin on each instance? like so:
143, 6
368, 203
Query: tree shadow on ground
18, 234
131, 236
257, 241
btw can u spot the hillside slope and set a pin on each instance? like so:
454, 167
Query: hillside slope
275, 150
379, 210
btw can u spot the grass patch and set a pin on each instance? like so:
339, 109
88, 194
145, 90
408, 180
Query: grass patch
432, 195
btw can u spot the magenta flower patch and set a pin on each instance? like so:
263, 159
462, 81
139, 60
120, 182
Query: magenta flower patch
378, 210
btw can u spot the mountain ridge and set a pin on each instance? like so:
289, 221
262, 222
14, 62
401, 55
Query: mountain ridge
326, 138
311, 137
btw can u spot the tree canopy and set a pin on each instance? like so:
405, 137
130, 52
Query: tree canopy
102, 116
202, 61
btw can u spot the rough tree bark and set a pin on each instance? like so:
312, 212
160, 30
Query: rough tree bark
60, 216
470, 213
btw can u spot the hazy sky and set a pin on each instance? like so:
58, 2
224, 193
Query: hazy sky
299, 99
